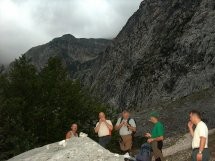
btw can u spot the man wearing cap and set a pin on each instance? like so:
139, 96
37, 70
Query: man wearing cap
200, 137
156, 137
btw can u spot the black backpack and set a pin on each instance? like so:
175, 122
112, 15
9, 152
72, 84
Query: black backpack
145, 153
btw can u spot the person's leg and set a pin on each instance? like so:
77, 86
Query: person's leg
157, 151
154, 150
128, 143
107, 140
158, 159
121, 143
160, 146
206, 155
194, 154
102, 141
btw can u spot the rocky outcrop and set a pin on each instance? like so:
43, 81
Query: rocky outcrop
75, 149
165, 51
73, 51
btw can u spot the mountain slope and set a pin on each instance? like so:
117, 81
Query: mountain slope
165, 51
73, 51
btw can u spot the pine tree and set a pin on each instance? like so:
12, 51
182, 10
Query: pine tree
38, 107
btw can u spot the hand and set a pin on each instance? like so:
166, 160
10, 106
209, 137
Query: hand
190, 125
150, 140
125, 123
129, 127
148, 135
199, 157
103, 119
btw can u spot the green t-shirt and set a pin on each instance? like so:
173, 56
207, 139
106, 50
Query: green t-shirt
158, 130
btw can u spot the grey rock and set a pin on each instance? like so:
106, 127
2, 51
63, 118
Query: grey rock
76, 149
164, 52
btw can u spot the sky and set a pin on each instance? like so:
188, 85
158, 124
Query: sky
28, 23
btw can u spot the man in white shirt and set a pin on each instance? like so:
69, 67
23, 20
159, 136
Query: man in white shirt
200, 137
126, 127
104, 128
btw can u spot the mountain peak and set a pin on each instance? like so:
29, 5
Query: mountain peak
71, 50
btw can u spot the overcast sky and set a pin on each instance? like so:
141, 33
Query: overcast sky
28, 23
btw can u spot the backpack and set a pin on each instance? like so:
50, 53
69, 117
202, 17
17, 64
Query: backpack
145, 153
133, 132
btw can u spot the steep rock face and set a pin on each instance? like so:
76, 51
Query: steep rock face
164, 52
71, 50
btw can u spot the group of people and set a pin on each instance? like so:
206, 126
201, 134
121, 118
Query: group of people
127, 127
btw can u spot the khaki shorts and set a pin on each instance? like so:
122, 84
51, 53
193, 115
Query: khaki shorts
126, 142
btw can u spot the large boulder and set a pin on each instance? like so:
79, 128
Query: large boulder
75, 149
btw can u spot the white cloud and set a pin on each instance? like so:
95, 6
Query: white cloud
27, 23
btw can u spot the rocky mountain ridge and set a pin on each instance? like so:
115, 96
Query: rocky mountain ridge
73, 51
165, 51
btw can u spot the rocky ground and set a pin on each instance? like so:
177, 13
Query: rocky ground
175, 114
185, 155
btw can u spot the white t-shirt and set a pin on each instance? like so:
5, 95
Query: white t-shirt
200, 131
104, 130
124, 129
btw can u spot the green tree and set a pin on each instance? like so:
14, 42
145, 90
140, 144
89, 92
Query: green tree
17, 94
38, 107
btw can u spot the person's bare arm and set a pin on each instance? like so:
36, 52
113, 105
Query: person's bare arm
202, 143
117, 127
97, 127
201, 148
68, 135
110, 127
132, 128
161, 138
148, 135
190, 126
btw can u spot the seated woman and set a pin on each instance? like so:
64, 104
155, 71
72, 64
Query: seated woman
72, 132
